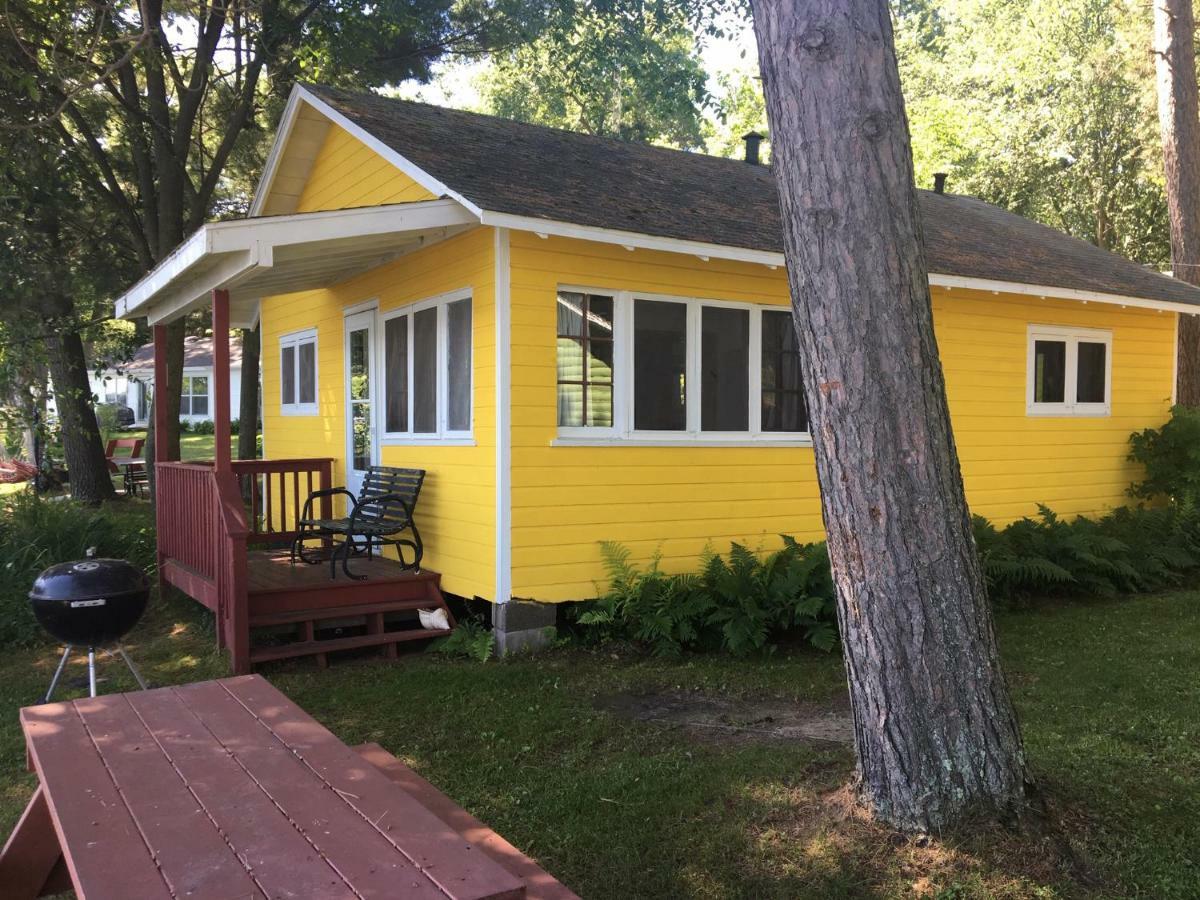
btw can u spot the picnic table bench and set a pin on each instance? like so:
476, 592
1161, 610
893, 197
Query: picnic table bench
226, 789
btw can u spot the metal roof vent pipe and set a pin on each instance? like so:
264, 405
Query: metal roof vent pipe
753, 142
939, 182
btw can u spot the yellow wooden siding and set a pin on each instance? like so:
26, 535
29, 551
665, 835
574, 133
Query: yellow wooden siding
347, 174
456, 512
674, 500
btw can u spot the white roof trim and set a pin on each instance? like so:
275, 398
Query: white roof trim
1043, 291
241, 247
299, 95
629, 239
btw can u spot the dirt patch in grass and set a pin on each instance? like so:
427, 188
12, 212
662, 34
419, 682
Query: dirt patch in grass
736, 720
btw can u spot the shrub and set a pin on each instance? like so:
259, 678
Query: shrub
1130, 549
37, 532
470, 639
203, 426
740, 605
1171, 458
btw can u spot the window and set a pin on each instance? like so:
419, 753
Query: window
640, 367
1070, 371
193, 400
783, 406
298, 373
585, 360
427, 360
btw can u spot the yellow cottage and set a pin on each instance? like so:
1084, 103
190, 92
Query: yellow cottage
584, 340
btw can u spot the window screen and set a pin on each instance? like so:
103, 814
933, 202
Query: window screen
425, 371
659, 366
585, 360
1093, 366
307, 390
1049, 371
395, 361
458, 365
724, 369
287, 375
783, 406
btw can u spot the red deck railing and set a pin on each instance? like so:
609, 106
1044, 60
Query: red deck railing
206, 519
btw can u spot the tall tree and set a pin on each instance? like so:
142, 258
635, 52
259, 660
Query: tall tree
935, 730
55, 264
636, 76
1041, 106
150, 101
1179, 121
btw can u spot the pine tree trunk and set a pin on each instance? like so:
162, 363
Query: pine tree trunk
935, 730
1179, 121
248, 402
86, 466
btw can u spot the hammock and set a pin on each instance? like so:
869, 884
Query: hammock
13, 471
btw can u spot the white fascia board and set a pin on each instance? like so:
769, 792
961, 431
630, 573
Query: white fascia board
1057, 293
310, 228
409, 168
629, 238
282, 135
177, 262
180, 299
633, 240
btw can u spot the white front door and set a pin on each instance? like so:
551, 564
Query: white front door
362, 444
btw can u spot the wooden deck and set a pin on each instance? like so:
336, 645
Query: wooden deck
303, 595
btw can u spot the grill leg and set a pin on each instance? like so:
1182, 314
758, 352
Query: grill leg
132, 668
91, 671
62, 664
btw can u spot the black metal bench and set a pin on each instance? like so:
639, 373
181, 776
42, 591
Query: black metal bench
382, 511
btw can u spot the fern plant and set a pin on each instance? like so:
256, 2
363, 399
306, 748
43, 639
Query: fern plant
470, 639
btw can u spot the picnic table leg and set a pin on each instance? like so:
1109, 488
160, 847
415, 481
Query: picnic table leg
29, 859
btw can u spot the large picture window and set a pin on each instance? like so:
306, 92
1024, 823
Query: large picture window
298, 373
427, 367
642, 367
1070, 371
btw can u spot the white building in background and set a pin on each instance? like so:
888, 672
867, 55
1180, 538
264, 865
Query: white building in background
132, 385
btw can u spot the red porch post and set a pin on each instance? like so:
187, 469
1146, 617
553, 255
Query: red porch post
160, 393
220, 326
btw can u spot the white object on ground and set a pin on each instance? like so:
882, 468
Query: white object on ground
434, 619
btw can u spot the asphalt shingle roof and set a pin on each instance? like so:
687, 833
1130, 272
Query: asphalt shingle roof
512, 167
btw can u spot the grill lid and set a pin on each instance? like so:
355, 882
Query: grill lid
89, 579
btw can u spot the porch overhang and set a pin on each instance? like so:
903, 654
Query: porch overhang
256, 258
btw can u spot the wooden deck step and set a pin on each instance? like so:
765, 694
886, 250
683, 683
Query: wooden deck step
331, 645
290, 617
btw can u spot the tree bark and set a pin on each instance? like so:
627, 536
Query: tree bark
86, 466
248, 402
935, 730
1179, 121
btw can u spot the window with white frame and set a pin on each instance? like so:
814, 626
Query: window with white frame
193, 400
428, 370
643, 367
1070, 371
298, 373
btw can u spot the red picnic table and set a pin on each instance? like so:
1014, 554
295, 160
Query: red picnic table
226, 789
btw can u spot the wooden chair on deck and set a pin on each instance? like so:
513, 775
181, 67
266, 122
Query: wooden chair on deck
382, 511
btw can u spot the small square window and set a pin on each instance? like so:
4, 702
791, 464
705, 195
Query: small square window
1070, 371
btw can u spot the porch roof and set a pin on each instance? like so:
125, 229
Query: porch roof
258, 257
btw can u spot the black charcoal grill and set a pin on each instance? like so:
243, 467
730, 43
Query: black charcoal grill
90, 603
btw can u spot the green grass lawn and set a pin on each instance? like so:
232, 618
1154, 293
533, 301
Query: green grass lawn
191, 446
1108, 692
